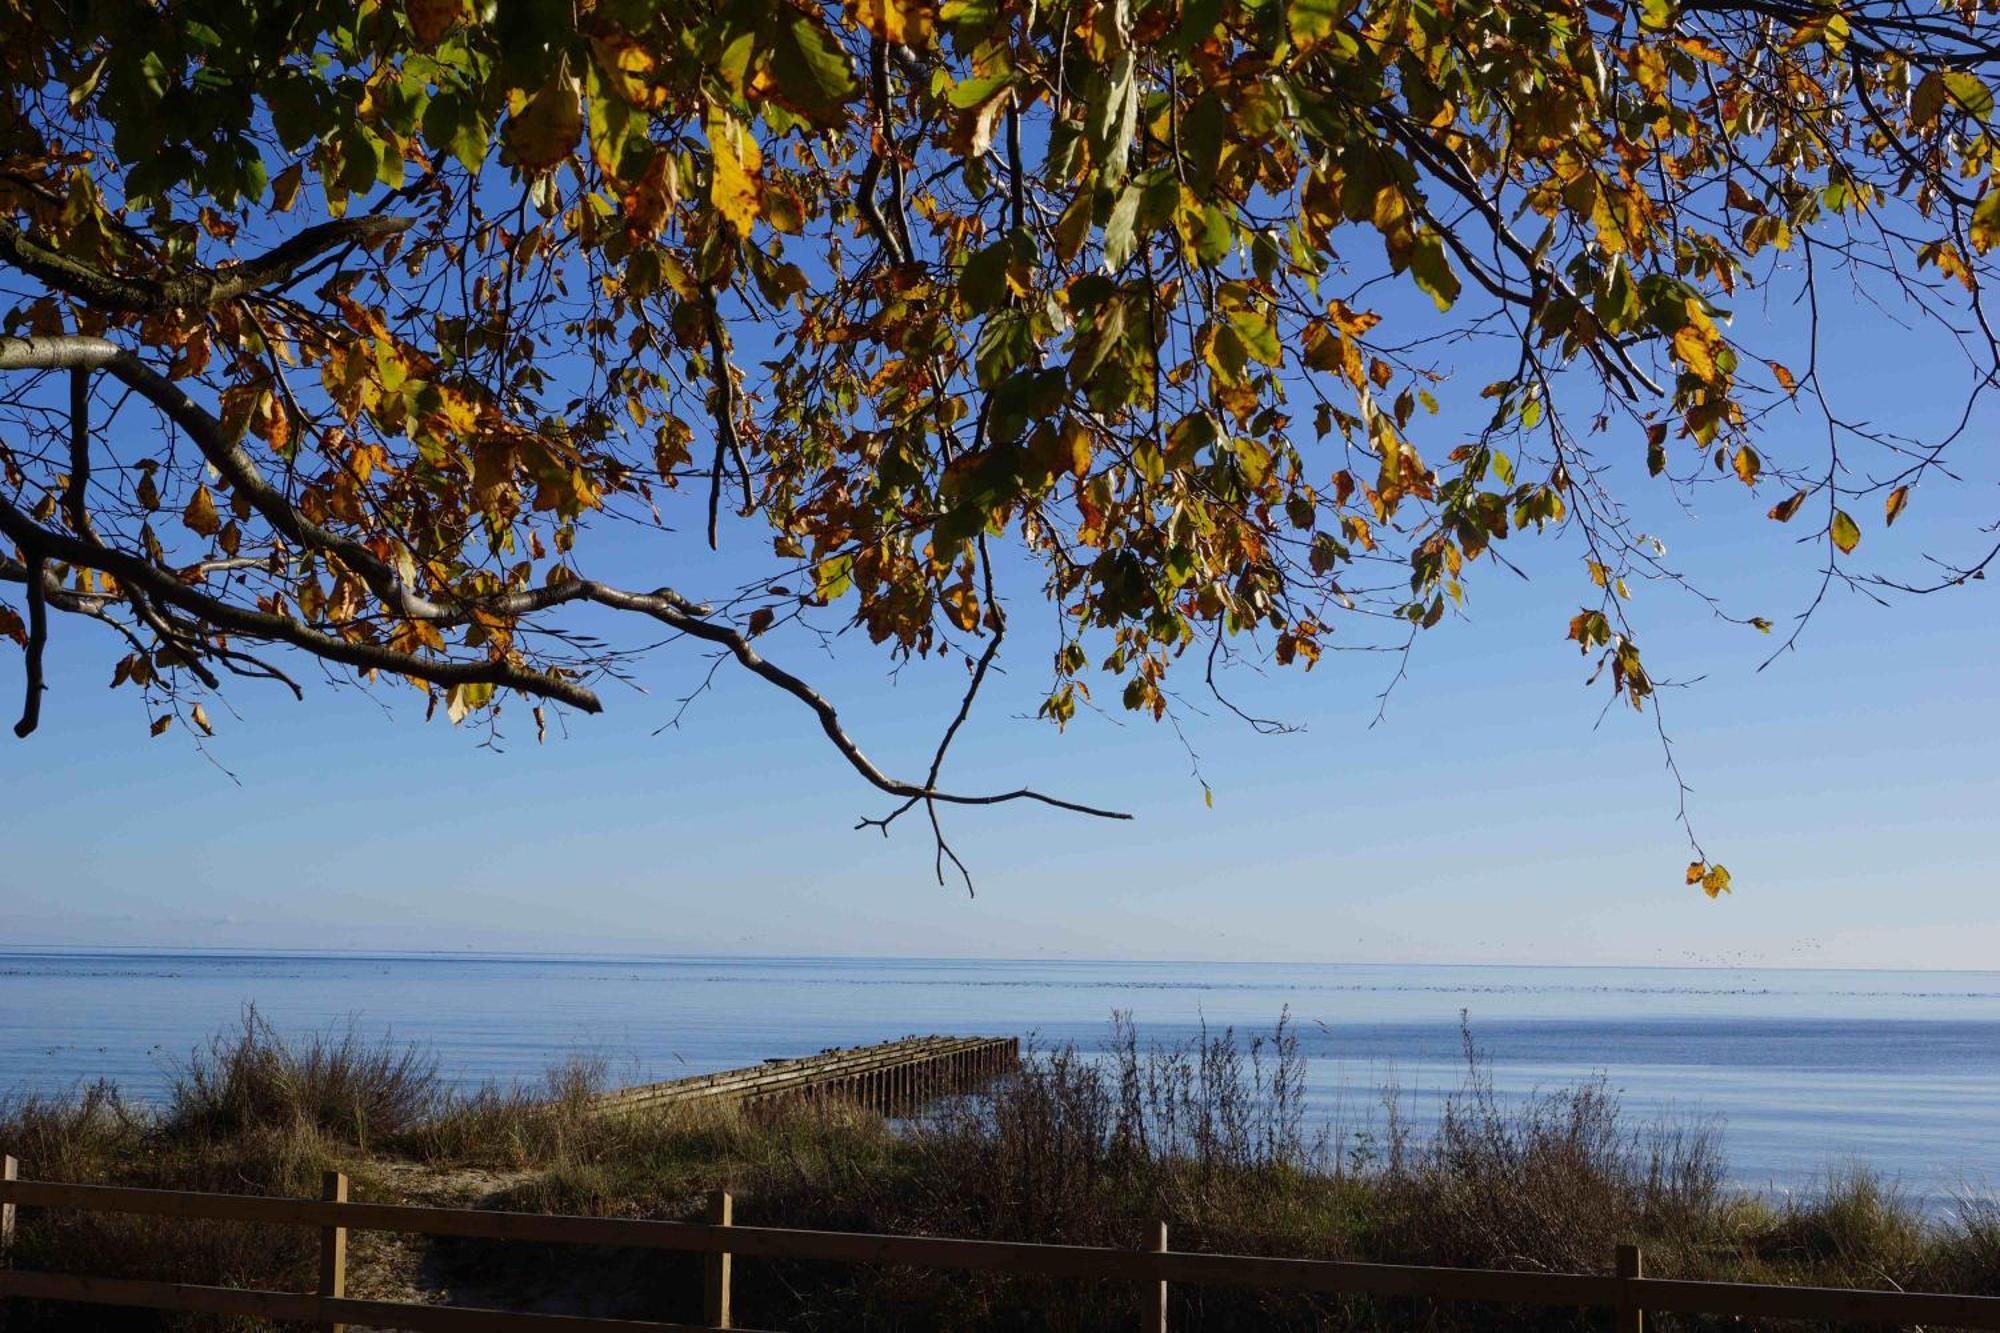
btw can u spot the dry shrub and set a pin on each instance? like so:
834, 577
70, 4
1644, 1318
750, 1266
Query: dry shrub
335, 1080
1550, 1182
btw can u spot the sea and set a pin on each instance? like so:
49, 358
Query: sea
1806, 1074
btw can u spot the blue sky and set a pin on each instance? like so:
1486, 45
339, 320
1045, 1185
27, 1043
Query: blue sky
1490, 817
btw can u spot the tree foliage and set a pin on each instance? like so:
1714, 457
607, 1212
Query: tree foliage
349, 330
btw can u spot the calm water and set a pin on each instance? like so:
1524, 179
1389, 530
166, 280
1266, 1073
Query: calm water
1808, 1070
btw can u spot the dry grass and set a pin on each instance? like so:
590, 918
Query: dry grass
1079, 1148
334, 1080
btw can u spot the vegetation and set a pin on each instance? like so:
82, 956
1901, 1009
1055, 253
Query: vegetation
349, 331
1077, 1148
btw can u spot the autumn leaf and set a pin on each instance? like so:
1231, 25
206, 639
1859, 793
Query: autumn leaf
1715, 881
1692, 350
1747, 465
200, 514
1893, 506
160, 724
1695, 871
1846, 533
903, 22
545, 131
1785, 508
733, 189
199, 715
285, 187
430, 20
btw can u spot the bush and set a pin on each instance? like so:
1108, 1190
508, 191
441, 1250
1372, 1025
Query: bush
334, 1080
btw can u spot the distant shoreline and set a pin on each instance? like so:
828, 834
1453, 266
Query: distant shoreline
1078, 960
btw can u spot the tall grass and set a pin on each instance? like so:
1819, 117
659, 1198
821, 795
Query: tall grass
333, 1080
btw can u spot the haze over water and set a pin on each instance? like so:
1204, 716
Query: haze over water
1808, 1070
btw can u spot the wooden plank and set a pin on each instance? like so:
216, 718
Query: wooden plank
472, 1319
178, 1296
748, 1084
715, 1269
301, 1307
10, 1170
828, 1062
1153, 1310
333, 1248
1631, 1315
1751, 1301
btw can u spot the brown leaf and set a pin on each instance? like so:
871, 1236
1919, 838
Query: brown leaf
200, 514
430, 20
1893, 507
1784, 509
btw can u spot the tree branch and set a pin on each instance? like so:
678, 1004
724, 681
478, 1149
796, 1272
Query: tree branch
196, 290
38, 641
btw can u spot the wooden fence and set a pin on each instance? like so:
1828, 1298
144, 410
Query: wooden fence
1152, 1268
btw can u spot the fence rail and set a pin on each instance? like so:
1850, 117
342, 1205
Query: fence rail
1627, 1292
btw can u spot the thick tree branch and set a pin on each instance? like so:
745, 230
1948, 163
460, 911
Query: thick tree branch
196, 290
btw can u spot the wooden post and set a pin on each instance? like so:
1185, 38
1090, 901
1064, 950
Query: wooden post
1153, 1309
715, 1303
1631, 1315
9, 1170
333, 1249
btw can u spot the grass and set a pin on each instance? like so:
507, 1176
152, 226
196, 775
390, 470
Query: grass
1078, 1148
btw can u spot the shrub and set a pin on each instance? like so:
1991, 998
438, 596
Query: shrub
334, 1080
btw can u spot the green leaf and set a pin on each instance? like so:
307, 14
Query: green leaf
982, 283
1432, 271
1119, 236
811, 71
1312, 20
1259, 333
1970, 92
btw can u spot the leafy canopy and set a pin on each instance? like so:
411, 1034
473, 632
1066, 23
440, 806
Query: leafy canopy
414, 299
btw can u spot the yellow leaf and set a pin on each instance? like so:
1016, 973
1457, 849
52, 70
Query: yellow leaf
1715, 882
1894, 505
1786, 380
1692, 349
1747, 465
285, 187
904, 22
1695, 871
1846, 533
200, 513
734, 186
200, 716
544, 132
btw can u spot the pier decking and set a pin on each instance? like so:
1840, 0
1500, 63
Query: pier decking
893, 1077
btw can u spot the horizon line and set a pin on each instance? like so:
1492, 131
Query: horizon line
471, 954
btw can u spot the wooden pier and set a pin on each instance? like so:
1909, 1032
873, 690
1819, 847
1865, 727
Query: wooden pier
894, 1077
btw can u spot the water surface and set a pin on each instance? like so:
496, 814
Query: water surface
1809, 1071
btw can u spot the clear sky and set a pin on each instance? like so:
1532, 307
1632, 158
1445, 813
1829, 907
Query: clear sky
1490, 817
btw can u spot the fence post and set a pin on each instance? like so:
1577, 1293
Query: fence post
715, 1306
1153, 1315
9, 1170
1631, 1315
333, 1249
